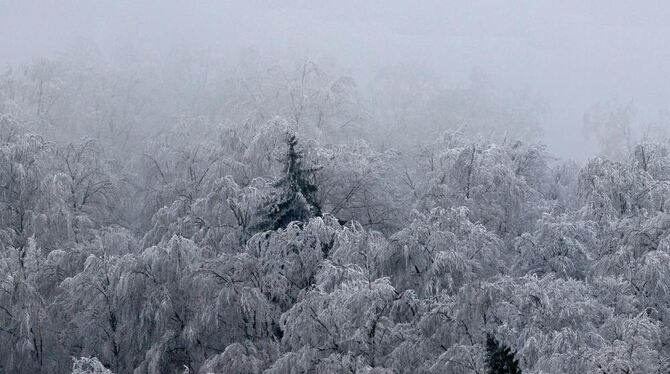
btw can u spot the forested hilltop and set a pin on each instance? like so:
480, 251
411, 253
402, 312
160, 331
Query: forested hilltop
268, 216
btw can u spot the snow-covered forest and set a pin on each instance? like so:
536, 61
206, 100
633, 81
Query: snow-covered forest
265, 214
256, 217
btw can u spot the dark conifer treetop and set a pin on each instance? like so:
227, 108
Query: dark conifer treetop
296, 192
500, 358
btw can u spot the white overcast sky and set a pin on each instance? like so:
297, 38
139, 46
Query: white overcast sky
572, 54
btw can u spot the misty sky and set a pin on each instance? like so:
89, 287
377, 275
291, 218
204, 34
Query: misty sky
571, 54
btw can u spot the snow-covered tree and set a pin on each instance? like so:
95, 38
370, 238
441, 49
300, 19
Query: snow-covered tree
296, 196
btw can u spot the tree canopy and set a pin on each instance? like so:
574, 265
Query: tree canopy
264, 218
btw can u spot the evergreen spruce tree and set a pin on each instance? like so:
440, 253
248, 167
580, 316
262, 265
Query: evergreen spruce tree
296, 197
499, 358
